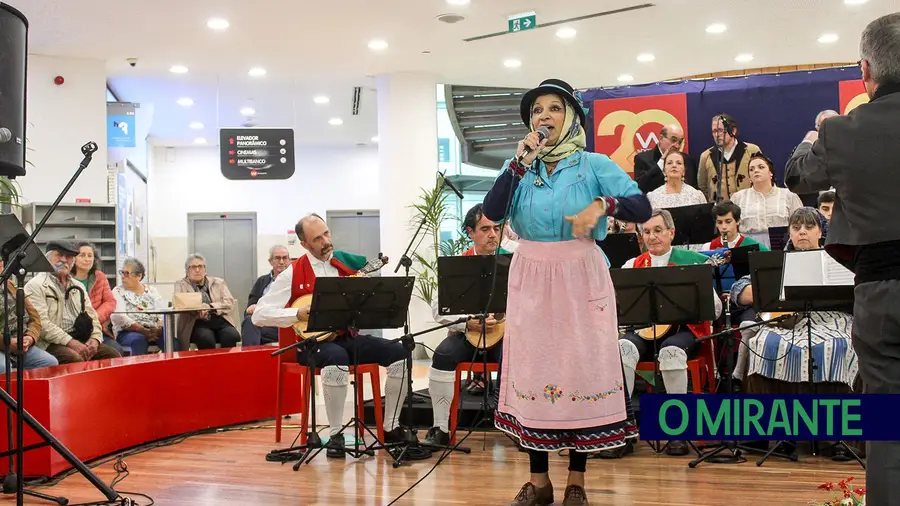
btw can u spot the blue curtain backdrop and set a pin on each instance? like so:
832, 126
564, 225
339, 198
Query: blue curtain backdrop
773, 111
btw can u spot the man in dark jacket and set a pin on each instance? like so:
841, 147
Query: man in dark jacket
857, 155
251, 335
648, 165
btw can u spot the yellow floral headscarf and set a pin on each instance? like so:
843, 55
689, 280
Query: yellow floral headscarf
567, 143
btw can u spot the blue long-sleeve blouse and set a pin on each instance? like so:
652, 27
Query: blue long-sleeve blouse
541, 203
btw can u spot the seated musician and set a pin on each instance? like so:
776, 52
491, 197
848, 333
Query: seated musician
777, 362
728, 223
251, 335
334, 357
675, 345
456, 348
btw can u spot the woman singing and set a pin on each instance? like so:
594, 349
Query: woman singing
561, 382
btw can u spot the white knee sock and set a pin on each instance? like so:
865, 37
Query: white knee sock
743, 351
440, 387
395, 389
334, 388
630, 357
673, 366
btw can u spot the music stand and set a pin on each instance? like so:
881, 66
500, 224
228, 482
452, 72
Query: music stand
648, 296
620, 247
464, 287
778, 238
694, 224
349, 303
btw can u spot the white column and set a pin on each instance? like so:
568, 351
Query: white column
407, 162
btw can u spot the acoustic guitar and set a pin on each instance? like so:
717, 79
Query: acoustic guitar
491, 337
371, 266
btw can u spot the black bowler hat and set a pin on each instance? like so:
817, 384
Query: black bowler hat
63, 246
550, 86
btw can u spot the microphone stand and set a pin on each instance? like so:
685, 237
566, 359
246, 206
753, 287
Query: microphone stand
722, 171
411, 447
15, 266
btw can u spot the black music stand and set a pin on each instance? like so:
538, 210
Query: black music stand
694, 224
347, 304
620, 247
464, 287
801, 293
663, 295
778, 238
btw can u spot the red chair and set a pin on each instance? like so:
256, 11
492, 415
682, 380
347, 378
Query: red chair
288, 367
703, 366
463, 367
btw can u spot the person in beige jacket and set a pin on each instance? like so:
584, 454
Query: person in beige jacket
58, 309
208, 327
736, 173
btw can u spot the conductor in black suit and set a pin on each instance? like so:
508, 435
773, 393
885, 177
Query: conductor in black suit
648, 165
858, 155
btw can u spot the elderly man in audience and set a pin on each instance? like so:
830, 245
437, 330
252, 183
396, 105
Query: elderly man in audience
251, 335
58, 304
132, 326
34, 356
213, 325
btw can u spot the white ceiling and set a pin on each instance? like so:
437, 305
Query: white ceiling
311, 48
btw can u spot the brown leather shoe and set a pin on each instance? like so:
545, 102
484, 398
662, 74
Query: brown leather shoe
529, 495
575, 496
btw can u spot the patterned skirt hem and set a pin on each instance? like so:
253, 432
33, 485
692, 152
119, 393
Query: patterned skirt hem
588, 440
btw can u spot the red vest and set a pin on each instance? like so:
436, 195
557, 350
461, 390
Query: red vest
698, 329
717, 243
303, 281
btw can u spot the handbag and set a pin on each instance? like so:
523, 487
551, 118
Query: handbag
83, 326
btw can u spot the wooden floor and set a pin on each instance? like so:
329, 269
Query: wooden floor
229, 468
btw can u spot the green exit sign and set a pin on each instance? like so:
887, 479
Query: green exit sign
524, 21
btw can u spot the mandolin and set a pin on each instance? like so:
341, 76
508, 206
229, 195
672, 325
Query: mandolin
787, 323
492, 337
371, 266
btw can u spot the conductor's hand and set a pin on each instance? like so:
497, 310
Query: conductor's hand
303, 313
811, 136
585, 221
532, 142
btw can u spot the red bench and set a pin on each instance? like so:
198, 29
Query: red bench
100, 407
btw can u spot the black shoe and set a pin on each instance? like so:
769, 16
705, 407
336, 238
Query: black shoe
398, 435
436, 438
333, 452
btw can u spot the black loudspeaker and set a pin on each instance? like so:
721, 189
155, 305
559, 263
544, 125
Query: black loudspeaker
13, 51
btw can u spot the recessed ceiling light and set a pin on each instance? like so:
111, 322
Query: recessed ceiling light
378, 45
458, 2
248, 111
196, 125
199, 140
716, 28
374, 139
178, 69
566, 32
321, 99
512, 63
625, 78
855, 2
218, 23
256, 72
828, 38
185, 101
743, 58
335, 121
645, 57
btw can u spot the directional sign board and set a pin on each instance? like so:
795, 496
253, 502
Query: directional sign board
524, 21
257, 153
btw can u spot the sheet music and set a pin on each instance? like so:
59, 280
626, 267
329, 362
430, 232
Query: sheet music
834, 273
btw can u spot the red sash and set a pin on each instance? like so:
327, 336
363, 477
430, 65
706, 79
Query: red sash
717, 243
698, 329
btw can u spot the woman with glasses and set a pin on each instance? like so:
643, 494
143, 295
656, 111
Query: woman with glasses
213, 325
131, 325
87, 272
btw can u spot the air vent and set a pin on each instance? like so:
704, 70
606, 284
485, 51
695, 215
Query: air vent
570, 20
450, 18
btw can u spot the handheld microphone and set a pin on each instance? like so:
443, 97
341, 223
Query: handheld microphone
5, 135
451, 185
543, 132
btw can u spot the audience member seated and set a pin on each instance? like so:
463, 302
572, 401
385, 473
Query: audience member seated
59, 310
87, 272
764, 205
675, 193
34, 356
251, 335
826, 204
456, 348
773, 359
132, 326
211, 326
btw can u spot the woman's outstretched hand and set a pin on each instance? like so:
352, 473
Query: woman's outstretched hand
585, 221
